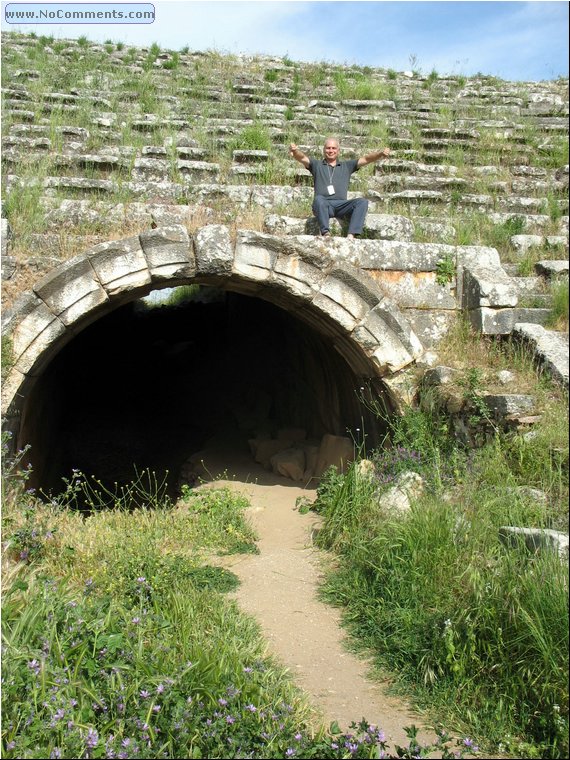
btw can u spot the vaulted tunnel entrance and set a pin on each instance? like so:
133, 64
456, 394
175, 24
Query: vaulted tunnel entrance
148, 386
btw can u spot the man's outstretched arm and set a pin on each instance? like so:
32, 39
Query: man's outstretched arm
298, 155
371, 158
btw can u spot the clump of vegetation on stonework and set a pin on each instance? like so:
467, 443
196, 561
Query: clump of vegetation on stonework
253, 137
558, 318
119, 640
474, 631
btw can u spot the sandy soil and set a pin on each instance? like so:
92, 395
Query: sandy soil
279, 588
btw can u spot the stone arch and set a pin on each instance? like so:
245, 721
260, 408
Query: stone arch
302, 275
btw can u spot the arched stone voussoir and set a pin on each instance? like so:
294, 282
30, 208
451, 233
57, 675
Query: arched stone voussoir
72, 290
169, 253
120, 266
259, 255
33, 331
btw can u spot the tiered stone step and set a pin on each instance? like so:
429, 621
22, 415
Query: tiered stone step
550, 349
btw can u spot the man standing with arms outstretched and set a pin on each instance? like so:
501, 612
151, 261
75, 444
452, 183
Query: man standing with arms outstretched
331, 179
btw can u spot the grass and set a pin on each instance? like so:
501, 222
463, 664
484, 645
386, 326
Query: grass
119, 638
474, 631
558, 318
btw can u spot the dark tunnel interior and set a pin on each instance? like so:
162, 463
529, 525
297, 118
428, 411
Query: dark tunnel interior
147, 386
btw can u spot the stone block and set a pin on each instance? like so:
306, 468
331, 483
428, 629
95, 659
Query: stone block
400, 256
169, 253
407, 488
502, 404
120, 265
535, 539
484, 287
551, 269
255, 260
72, 290
32, 329
214, 250
334, 451
492, 321
290, 463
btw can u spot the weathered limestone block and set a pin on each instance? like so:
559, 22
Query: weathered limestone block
155, 169
334, 451
444, 231
120, 265
523, 243
169, 253
389, 227
72, 290
255, 256
539, 103
502, 321
290, 463
214, 250
535, 539
198, 171
249, 156
345, 298
560, 240
395, 255
367, 105
414, 197
430, 326
503, 404
270, 196
276, 224
31, 328
301, 272
551, 269
550, 348
530, 221
519, 205
483, 287
440, 375
408, 487
416, 290
236, 195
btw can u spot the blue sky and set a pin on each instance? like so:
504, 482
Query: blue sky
511, 40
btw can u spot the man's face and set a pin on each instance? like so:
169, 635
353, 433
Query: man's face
331, 150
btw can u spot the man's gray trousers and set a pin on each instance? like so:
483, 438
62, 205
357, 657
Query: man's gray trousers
355, 209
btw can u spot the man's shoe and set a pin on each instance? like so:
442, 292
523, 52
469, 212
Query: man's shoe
326, 233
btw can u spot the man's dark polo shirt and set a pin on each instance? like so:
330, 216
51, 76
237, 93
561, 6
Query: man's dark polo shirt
340, 174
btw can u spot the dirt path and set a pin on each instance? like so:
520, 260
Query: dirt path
279, 588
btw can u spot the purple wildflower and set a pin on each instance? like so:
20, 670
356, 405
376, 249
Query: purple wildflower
92, 739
